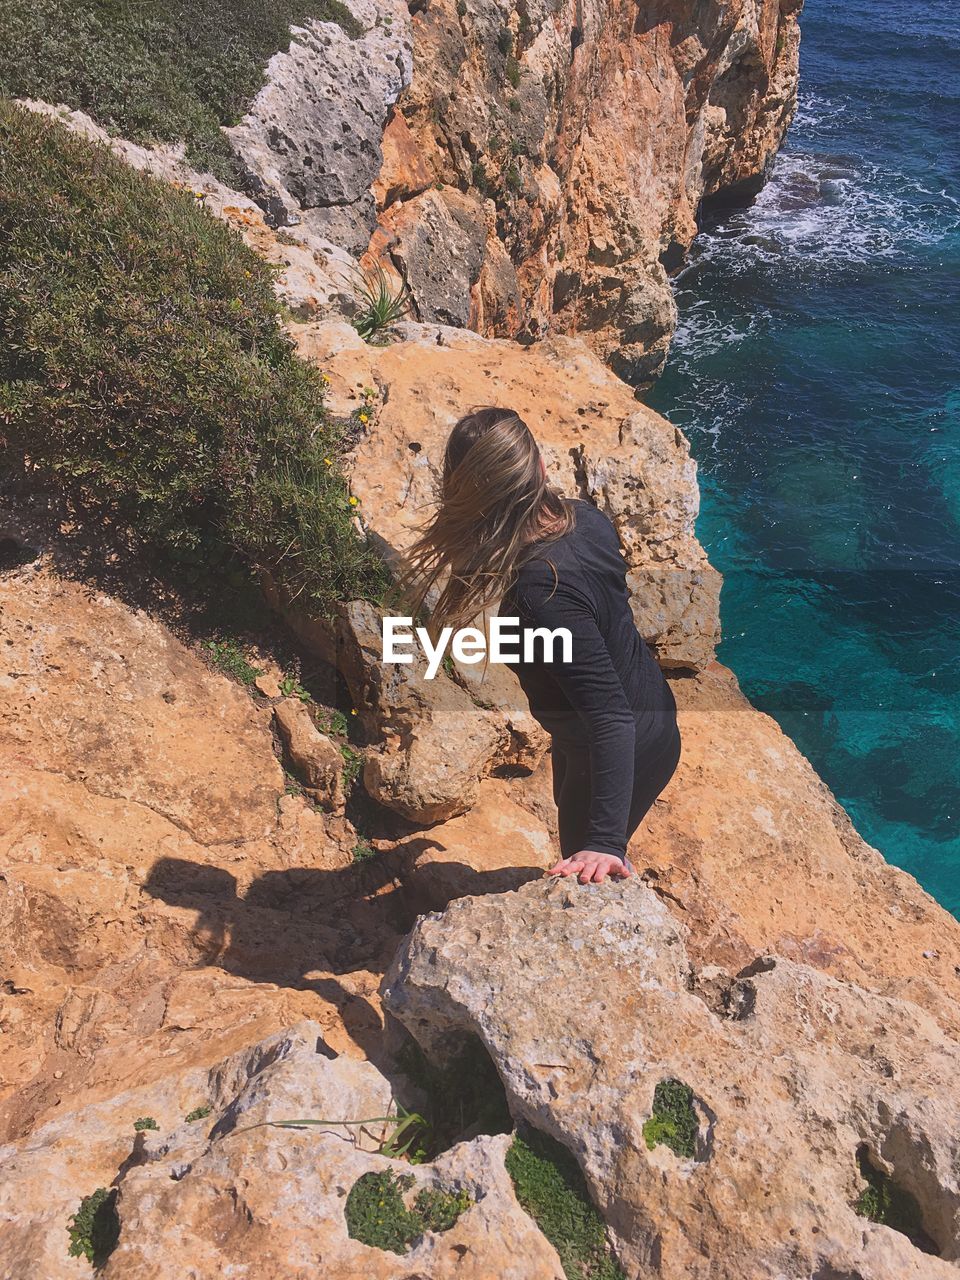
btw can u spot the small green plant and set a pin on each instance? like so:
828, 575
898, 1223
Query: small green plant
551, 1188
517, 148
439, 1209
95, 1228
674, 1121
505, 41
406, 1129
336, 722
377, 1215
382, 304
145, 1122
291, 687
480, 177
884, 1202
512, 178
198, 1113
512, 71
514, 104
363, 850
228, 657
352, 764
461, 8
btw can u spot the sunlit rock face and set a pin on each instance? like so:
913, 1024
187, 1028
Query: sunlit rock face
527, 169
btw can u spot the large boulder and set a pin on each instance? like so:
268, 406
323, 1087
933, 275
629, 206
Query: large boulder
803, 1090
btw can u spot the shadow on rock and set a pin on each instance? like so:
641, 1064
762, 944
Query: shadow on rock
304, 928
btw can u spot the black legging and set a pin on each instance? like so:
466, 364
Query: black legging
655, 765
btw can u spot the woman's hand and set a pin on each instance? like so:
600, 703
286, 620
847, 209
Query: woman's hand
592, 867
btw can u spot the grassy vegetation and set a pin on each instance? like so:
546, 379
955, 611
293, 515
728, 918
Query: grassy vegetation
95, 1228
377, 1215
145, 1122
465, 1095
883, 1201
198, 1113
228, 656
551, 1188
143, 367
152, 70
674, 1121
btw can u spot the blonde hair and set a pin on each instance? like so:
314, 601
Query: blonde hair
494, 508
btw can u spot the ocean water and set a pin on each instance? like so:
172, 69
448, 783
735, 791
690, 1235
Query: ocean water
816, 372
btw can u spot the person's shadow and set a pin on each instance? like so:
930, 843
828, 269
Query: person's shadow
303, 927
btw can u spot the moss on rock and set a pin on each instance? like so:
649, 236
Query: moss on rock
551, 1188
378, 1216
674, 1121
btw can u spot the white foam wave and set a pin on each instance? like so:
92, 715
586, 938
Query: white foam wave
821, 212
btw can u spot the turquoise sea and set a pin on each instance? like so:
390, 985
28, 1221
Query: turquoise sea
816, 372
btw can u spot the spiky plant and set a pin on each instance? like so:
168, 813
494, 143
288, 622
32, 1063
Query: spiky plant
382, 304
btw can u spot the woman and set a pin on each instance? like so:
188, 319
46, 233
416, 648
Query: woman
501, 533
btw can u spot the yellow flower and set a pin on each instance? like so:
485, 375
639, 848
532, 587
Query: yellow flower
364, 417
354, 501
327, 462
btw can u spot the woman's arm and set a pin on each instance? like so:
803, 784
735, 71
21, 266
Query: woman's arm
590, 683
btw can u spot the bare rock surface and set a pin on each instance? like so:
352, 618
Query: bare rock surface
314, 756
313, 133
150, 858
586, 1000
228, 1193
633, 112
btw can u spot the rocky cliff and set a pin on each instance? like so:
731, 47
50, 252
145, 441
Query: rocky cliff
745, 1058
528, 168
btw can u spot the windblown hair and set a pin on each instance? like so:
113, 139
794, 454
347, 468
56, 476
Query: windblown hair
495, 508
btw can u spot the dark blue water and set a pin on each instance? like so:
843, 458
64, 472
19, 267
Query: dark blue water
817, 373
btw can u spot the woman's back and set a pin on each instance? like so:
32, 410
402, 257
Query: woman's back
578, 581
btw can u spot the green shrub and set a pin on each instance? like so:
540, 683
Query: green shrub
153, 70
550, 1187
512, 71
145, 1122
376, 1214
95, 1228
143, 367
674, 1121
198, 1113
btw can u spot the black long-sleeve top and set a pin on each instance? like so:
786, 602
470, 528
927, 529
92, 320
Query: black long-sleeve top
611, 697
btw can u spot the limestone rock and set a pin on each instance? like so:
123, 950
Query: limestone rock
314, 757
313, 133
433, 743
633, 111
585, 1000
203, 1198
151, 863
